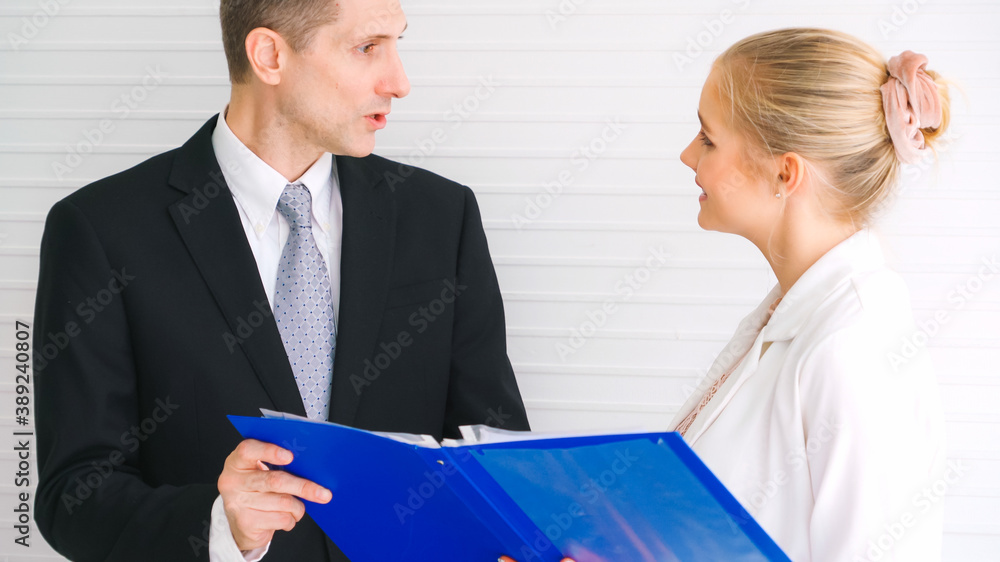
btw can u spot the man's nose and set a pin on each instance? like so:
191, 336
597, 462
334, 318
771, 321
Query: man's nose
396, 84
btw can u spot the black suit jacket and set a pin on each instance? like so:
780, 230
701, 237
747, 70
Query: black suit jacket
151, 325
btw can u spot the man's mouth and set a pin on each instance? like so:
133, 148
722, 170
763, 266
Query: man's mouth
377, 120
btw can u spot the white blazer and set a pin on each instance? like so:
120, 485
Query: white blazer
833, 439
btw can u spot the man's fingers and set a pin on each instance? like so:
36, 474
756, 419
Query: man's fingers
280, 482
243, 473
252, 521
277, 503
249, 451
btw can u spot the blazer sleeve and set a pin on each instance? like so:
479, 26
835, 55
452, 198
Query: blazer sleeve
92, 502
874, 444
482, 388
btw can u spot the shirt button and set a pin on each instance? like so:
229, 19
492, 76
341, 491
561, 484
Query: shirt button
259, 228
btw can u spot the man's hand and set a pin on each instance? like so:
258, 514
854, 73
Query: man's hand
258, 502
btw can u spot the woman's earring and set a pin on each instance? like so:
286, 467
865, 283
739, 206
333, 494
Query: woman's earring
778, 195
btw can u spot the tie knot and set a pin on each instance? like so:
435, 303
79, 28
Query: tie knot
296, 205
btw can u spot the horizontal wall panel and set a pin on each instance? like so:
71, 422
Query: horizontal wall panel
567, 120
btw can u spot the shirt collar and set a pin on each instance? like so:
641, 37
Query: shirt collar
255, 184
859, 253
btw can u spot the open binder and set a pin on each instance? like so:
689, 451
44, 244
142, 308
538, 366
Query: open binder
615, 498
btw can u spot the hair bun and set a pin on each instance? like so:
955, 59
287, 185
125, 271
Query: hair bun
912, 102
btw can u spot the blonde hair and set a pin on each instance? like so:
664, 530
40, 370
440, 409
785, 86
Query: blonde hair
815, 92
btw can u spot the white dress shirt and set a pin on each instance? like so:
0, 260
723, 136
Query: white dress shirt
256, 189
833, 436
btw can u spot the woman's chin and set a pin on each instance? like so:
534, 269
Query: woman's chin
710, 221
703, 221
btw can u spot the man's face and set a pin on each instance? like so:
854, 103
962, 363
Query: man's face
338, 92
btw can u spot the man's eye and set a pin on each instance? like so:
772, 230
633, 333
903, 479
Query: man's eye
367, 49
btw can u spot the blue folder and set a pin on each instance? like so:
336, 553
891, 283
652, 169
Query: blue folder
607, 498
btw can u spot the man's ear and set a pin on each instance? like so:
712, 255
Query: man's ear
791, 173
265, 50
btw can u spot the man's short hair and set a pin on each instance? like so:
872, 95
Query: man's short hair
295, 20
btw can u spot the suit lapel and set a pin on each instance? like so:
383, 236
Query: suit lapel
209, 223
365, 265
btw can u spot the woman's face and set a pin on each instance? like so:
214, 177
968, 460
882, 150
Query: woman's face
734, 198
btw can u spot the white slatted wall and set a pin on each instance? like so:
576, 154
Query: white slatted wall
506, 94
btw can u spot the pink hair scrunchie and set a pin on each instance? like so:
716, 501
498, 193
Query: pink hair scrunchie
911, 101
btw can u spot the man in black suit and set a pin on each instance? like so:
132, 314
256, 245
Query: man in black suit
155, 315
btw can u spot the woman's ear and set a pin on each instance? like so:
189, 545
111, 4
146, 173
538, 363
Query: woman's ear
791, 173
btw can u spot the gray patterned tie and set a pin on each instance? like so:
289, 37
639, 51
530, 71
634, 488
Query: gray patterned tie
303, 306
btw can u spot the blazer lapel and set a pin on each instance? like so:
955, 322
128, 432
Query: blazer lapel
209, 223
365, 264
714, 408
747, 337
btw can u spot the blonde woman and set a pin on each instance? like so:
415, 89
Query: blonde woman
811, 415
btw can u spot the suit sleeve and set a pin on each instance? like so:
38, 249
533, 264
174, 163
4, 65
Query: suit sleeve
482, 387
92, 501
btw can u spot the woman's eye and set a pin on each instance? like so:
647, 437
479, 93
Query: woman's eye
704, 139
